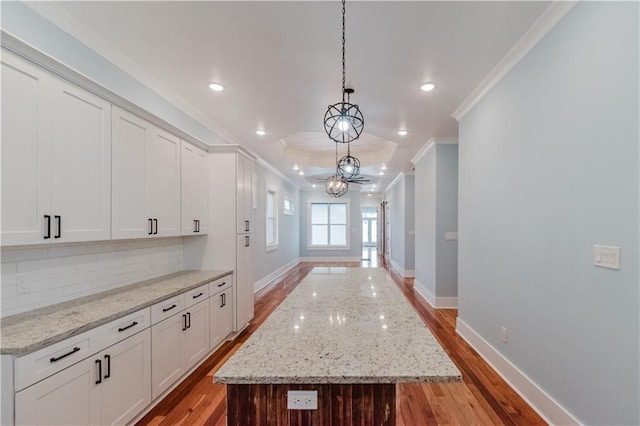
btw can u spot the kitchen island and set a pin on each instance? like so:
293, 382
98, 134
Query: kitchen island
347, 333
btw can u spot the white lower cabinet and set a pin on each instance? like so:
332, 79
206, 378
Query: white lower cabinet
221, 317
178, 342
111, 387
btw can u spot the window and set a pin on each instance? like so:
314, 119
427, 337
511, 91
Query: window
287, 205
272, 219
328, 225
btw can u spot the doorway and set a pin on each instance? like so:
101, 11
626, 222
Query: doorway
369, 233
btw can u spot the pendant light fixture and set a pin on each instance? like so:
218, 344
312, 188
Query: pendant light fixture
348, 166
336, 185
343, 121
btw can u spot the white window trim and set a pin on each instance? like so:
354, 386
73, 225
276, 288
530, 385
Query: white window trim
348, 226
274, 189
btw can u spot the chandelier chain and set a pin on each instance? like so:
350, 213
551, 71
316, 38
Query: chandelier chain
343, 49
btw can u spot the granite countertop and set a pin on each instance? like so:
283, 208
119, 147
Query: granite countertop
341, 325
33, 330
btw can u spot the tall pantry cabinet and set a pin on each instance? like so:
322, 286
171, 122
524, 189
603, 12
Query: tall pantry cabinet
229, 244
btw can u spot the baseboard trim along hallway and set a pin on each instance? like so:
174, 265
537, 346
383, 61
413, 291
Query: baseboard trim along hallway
436, 302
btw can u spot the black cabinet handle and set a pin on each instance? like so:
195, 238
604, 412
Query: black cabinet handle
169, 308
246, 225
47, 218
184, 322
156, 222
133, 324
73, 351
195, 225
59, 220
222, 300
99, 362
195, 296
198, 223
224, 283
150, 226
188, 319
107, 360
246, 241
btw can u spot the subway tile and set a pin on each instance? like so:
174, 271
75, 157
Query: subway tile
59, 271
66, 251
11, 254
8, 291
40, 298
8, 268
37, 265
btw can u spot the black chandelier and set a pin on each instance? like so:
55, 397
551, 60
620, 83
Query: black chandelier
336, 185
348, 166
344, 121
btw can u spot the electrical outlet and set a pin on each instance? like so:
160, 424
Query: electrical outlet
302, 400
504, 334
21, 286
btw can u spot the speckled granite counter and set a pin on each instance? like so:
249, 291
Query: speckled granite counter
341, 325
30, 331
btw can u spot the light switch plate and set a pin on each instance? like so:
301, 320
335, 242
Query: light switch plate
302, 400
606, 256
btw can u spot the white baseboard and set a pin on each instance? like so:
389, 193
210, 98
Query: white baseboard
549, 409
434, 301
275, 274
406, 273
330, 259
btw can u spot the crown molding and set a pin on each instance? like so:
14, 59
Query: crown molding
431, 143
540, 28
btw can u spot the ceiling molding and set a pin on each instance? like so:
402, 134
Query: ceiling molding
393, 182
277, 172
60, 18
540, 28
430, 143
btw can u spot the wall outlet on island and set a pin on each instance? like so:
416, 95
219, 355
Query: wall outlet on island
504, 334
302, 400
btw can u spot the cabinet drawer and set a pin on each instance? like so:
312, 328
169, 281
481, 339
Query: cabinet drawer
196, 295
220, 284
166, 309
38, 365
117, 330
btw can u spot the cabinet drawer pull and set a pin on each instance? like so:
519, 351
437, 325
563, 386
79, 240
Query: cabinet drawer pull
184, 322
107, 360
224, 283
156, 223
47, 218
133, 324
195, 225
73, 351
222, 300
246, 225
188, 319
195, 296
198, 223
150, 226
246, 241
99, 362
169, 308
59, 220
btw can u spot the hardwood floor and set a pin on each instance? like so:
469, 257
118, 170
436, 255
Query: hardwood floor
483, 398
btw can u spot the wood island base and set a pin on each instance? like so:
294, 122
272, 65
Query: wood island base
338, 404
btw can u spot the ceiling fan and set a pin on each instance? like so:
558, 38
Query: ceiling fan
359, 179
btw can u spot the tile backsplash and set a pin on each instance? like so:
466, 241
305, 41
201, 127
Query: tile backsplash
37, 276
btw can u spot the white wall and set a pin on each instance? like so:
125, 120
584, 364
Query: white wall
549, 166
37, 276
400, 196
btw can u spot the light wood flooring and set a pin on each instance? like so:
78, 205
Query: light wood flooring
483, 398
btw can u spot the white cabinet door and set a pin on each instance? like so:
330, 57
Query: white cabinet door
66, 398
166, 360
195, 339
126, 380
132, 139
194, 190
244, 195
26, 189
243, 280
221, 313
165, 183
80, 165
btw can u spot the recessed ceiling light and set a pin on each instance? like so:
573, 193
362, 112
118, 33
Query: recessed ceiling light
402, 132
381, 173
260, 132
295, 167
314, 185
301, 173
384, 167
216, 87
369, 195
373, 186
427, 87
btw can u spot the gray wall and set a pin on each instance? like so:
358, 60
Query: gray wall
264, 263
549, 166
446, 220
355, 217
436, 210
25, 24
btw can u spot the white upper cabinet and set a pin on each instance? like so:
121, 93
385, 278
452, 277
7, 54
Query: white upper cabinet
56, 152
194, 190
146, 179
244, 195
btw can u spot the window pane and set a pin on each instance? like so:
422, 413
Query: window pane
270, 231
374, 231
319, 213
319, 235
365, 231
338, 235
270, 203
338, 214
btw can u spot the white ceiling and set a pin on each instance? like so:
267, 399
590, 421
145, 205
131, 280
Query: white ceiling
280, 63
